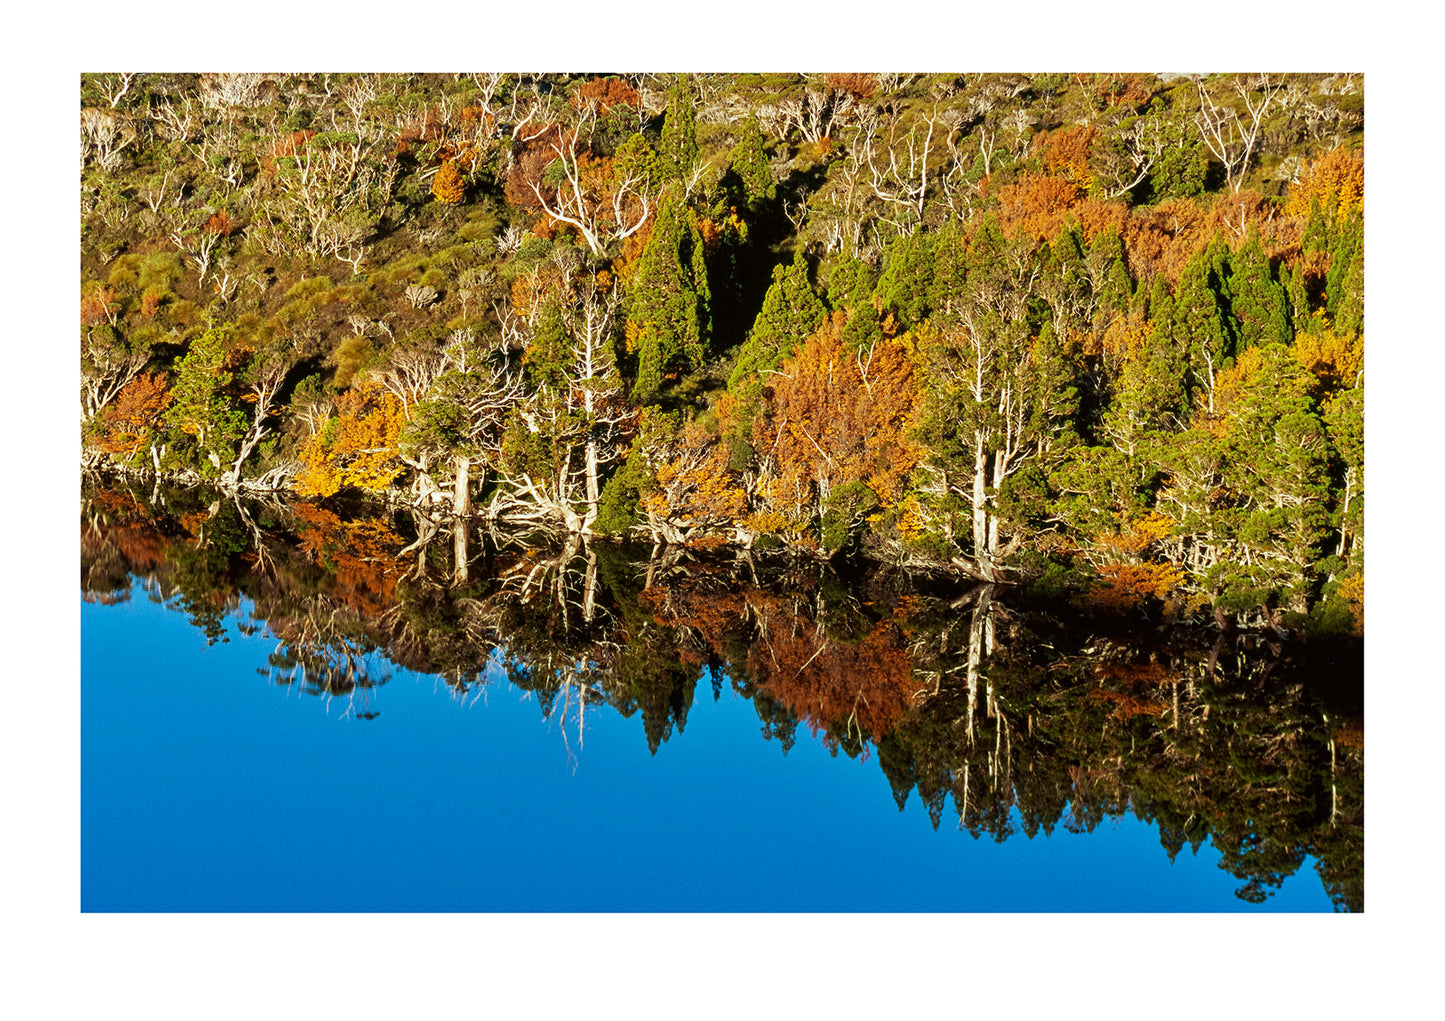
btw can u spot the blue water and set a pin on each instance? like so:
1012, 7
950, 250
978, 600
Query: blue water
206, 787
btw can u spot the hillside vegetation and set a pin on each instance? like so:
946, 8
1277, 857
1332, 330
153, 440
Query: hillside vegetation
1084, 329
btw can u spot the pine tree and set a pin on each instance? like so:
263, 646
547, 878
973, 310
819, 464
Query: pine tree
749, 162
677, 149
1344, 284
1064, 280
1200, 324
1319, 232
668, 318
1259, 304
1350, 313
950, 271
1301, 317
1113, 287
907, 279
791, 311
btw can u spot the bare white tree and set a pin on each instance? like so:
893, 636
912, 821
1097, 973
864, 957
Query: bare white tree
1230, 133
602, 214
104, 135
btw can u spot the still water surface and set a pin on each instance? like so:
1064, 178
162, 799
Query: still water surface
206, 787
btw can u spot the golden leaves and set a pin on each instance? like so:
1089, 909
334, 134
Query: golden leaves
1335, 361
448, 186
1339, 172
356, 448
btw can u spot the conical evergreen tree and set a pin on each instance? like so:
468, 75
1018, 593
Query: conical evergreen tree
1113, 288
1064, 279
791, 311
906, 282
1319, 233
1301, 317
668, 319
1259, 303
950, 270
850, 290
1350, 314
549, 351
1200, 324
749, 161
1348, 244
677, 149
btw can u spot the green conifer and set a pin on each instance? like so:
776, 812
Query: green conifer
1259, 304
907, 278
677, 149
668, 315
791, 311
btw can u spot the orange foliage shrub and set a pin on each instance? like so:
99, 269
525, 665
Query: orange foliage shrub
838, 416
530, 159
1095, 216
1066, 153
631, 251
356, 448
696, 492
97, 306
1339, 172
1038, 205
1125, 587
604, 94
861, 85
1132, 90
1164, 238
448, 186
220, 223
136, 410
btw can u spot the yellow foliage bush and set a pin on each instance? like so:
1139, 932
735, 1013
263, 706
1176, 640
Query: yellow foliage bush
1339, 171
1125, 587
449, 186
357, 448
1335, 361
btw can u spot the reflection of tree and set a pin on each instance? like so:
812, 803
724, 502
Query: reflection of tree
1020, 719
324, 650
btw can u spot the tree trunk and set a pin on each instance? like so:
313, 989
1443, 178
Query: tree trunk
981, 552
461, 507
459, 551
462, 495
593, 490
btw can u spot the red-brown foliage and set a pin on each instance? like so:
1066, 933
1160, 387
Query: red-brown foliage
1038, 205
861, 85
97, 306
220, 223
128, 419
604, 94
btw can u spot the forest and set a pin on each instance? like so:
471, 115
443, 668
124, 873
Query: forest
1096, 335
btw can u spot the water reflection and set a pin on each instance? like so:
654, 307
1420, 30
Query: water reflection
1007, 716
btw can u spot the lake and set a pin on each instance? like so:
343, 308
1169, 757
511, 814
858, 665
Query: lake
289, 707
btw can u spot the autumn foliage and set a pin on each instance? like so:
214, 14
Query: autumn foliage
839, 415
127, 422
449, 186
604, 94
1338, 175
357, 447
